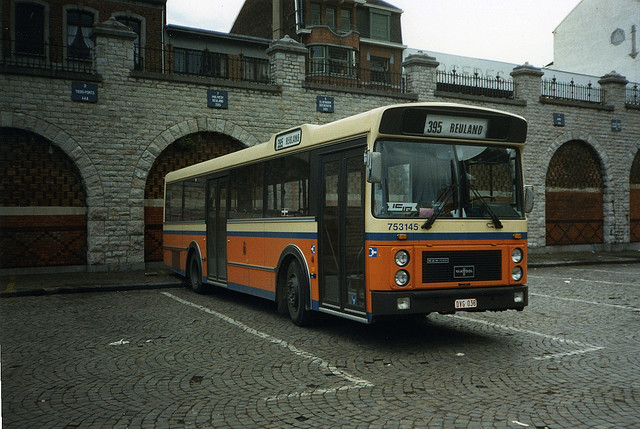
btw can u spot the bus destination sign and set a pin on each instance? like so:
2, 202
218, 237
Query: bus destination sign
290, 139
455, 126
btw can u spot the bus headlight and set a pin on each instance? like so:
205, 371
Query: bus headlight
516, 255
402, 278
402, 258
516, 274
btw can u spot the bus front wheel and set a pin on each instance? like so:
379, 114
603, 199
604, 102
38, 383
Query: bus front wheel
194, 277
297, 295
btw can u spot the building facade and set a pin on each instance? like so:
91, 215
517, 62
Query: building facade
83, 151
354, 43
597, 37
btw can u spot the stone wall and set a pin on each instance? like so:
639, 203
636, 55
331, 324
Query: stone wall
114, 142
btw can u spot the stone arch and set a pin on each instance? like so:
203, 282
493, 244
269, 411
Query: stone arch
42, 204
574, 195
63, 140
177, 131
188, 149
589, 140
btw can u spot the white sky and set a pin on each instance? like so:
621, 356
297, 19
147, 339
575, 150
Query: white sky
514, 31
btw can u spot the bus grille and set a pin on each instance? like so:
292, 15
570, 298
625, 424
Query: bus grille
461, 266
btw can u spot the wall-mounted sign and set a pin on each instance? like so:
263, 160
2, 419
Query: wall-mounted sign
324, 104
616, 125
84, 92
289, 139
558, 119
218, 99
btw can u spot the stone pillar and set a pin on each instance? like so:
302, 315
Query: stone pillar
616, 198
614, 89
287, 59
526, 82
421, 75
115, 230
114, 53
527, 88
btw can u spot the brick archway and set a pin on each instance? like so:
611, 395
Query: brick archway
185, 151
574, 196
43, 208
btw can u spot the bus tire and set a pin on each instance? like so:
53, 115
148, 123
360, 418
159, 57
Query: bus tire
194, 275
297, 290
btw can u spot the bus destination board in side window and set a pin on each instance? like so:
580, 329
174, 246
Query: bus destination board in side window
455, 126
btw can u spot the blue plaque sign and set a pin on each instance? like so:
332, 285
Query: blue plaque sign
84, 92
558, 119
616, 125
218, 99
324, 104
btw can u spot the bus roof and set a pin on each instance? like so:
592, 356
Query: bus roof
309, 135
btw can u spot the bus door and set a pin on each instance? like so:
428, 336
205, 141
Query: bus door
217, 230
341, 235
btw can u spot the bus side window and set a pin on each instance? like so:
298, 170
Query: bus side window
288, 186
194, 200
247, 192
173, 208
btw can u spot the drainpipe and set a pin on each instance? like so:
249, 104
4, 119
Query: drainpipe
277, 20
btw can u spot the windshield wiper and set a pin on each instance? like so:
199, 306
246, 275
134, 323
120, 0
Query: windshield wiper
494, 218
439, 205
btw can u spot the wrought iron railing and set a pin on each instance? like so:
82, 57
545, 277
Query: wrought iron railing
354, 76
553, 89
194, 62
633, 95
46, 56
474, 84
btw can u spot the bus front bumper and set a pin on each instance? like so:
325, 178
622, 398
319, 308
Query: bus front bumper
449, 300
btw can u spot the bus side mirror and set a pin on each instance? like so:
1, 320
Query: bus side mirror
373, 161
528, 198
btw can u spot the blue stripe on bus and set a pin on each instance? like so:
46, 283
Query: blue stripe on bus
261, 293
392, 236
176, 232
263, 234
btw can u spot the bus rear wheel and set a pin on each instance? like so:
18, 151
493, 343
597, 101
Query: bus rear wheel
194, 276
297, 288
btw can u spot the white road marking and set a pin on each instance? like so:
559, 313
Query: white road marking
583, 347
582, 301
355, 382
579, 280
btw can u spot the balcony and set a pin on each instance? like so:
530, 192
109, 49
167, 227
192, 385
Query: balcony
633, 95
23, 57
454, 82
347, 75
204, 63
554, 90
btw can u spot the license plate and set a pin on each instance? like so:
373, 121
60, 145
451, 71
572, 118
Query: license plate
466, 303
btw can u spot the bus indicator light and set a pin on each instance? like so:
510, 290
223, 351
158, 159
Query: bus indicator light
518, 297
404, 303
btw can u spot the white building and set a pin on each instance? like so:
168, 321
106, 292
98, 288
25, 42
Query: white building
598, 37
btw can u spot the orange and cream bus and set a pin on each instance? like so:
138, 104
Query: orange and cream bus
403, 210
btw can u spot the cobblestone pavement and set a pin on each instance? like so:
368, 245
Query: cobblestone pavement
170, 358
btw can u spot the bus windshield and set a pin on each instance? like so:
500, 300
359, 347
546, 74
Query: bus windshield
427, 180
